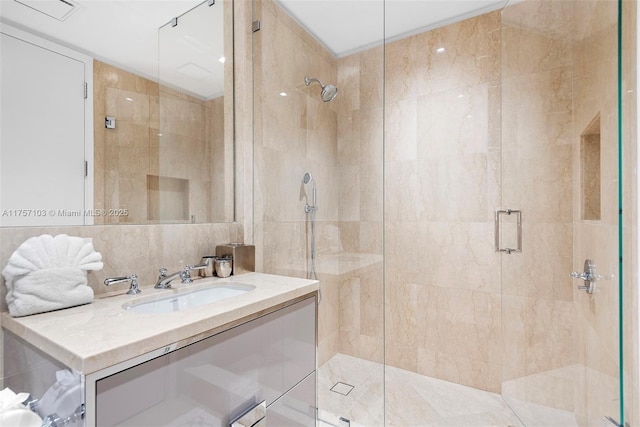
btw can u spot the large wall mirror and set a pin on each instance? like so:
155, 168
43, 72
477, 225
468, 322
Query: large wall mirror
152, 143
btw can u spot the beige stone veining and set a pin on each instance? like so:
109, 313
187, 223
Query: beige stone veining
441, 186
631, 369
490, 121
176, 176
295, 134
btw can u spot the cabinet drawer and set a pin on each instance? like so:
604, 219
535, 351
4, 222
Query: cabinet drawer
297, 408
215, 379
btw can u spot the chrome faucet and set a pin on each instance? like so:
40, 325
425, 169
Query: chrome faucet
133, 288
189, 268
164, 281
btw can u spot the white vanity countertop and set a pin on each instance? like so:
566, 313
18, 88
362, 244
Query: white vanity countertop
94, 336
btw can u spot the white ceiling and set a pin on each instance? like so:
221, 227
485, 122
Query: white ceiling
125, 32
345, 27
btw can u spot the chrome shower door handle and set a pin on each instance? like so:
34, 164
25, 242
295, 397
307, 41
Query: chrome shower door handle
498, 224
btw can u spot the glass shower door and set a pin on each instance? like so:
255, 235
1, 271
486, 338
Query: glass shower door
317, 199
560, 168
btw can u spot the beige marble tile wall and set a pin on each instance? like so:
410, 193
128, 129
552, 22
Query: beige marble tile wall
596, 93
575, 366
294, 134
123, 155
183, 155
360, 131
442, 138
443, 135
538, 142
155, 177
630, 217
360, 168
220, 157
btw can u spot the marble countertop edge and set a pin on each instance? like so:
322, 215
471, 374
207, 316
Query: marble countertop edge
95, 336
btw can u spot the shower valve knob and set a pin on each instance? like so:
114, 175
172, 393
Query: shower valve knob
589, 276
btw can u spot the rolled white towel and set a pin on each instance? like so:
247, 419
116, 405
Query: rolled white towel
47, 251
14, 413
48, 289
61, 244
48, 273
27, 260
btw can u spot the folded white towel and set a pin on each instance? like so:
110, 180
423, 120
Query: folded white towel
14, 413
9, 399
48, 273
48, 289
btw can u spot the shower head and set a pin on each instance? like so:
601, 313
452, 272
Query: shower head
307, 178
329, 91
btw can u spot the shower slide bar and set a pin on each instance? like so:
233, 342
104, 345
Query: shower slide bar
498, 226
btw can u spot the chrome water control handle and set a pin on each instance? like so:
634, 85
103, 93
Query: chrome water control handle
185, 275
133, 278
583, 276
589, 276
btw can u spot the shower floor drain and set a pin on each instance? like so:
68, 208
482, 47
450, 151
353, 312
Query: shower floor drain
342, 388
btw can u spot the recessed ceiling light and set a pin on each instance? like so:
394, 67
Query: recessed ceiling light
129, 99
283, 93
222, 59
440, 50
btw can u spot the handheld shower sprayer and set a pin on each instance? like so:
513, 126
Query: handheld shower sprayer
313, 207
311, 210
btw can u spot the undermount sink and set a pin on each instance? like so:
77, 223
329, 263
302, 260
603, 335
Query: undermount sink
186, 299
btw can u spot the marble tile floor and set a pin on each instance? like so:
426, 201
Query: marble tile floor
414, 400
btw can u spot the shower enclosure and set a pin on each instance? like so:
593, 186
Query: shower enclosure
464, 171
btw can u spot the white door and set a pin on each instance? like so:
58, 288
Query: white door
42, 149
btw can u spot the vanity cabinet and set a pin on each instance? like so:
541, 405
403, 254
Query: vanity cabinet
215, 380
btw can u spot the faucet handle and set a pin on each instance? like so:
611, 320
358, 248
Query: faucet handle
185, 275
577, 275
163, 272
133, 279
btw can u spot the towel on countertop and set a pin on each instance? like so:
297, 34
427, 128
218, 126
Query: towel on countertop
9, 399
49, 273
14, 413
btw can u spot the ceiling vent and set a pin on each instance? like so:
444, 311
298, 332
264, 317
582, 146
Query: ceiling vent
194, 71
58, 9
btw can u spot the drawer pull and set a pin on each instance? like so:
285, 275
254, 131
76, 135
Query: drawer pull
254, 417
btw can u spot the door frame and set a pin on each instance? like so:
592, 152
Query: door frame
15, 31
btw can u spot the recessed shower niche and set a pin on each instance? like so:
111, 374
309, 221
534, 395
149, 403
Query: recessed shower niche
590, 170
167, 198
